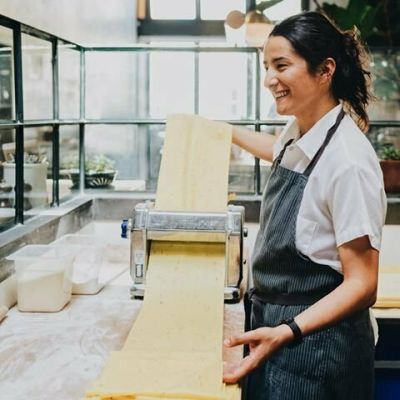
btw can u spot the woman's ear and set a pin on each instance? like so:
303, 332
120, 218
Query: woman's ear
326, 70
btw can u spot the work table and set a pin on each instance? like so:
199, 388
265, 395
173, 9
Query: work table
47, 356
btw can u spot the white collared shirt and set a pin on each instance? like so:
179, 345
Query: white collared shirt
344, 197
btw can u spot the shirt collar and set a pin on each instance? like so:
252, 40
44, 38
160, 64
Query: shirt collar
312, 140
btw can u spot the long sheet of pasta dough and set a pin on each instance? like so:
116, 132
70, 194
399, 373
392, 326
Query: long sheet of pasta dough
174, 349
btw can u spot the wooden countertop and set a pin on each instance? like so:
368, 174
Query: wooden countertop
47, 356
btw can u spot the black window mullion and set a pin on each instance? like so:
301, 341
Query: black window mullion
19, 131
56, 128
82, 111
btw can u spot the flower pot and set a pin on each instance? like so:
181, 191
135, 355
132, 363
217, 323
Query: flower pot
94, 180
391, 175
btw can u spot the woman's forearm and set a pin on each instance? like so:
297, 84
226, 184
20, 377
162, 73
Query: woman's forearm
358, 290
258, 144
348, 298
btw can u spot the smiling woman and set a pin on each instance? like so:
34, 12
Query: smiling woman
315, 259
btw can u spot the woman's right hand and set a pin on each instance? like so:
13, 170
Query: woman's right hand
263, 342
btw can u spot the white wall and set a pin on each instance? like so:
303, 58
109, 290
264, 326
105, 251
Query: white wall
81, 21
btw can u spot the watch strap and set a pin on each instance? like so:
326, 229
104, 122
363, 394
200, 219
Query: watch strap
298, 336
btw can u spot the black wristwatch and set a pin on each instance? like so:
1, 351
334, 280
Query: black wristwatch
298, 336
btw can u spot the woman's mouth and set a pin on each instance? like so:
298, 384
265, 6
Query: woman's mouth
281, 94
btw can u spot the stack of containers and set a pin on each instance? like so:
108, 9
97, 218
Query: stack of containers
115, 250
87, 261
44, 277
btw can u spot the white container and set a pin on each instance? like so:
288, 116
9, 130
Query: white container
44, 278
35, 175
108, 235
87, 261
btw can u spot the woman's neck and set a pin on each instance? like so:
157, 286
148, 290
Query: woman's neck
307, 120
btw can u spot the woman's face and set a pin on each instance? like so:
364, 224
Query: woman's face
295, 90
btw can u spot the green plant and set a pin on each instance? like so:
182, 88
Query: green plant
93, 164
389, 152
376, 20
99, 163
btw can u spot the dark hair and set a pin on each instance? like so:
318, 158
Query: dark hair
315, 38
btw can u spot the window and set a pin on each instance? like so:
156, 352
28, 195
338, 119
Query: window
282, 10
173, 9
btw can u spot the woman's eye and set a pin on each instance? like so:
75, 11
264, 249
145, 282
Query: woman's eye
281, 66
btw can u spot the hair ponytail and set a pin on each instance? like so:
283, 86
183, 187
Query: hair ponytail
351, 80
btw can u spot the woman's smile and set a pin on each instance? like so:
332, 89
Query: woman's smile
279, 95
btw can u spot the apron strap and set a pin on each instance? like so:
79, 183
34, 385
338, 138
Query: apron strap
278, 159
328, 137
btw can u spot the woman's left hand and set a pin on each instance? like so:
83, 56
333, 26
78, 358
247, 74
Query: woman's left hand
263, 342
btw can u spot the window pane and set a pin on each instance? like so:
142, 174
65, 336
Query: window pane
211, 9
171, 83
123, 149
6, 75
112, 84
225, 91
381, 136
282, 10
241, 171
69, 160
37, 168
37, 75
69, 76
173, 9
7, 177
385, 67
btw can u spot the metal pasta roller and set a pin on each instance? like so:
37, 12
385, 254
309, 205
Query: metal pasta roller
148, 224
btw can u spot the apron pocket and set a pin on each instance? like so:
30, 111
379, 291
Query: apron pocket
308, 359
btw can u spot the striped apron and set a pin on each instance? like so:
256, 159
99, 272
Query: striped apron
333, 364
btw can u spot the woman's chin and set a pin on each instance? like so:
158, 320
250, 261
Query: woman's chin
283, 111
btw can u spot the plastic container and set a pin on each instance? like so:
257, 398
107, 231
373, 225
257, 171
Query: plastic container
108, 234
44, 278
87, 261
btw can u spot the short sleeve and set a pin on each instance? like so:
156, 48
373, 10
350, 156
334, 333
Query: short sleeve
357, 204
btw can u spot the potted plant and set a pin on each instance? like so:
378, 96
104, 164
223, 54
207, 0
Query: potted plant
99, 172
390, 164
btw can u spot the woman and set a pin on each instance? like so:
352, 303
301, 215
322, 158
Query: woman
315, 261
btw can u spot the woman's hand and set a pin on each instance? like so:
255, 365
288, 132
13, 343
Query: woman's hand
263, 342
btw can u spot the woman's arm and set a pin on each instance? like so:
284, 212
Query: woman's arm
357, 292
258, 144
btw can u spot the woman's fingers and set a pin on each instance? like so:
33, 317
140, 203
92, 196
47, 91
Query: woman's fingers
234, 372
244, 338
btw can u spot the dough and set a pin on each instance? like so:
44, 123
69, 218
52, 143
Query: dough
174, 349
195, 165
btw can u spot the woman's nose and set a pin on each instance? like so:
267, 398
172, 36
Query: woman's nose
270, 79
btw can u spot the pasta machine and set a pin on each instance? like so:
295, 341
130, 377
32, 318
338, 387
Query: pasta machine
148, 224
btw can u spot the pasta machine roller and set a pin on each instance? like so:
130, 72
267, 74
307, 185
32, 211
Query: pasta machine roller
148, 224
